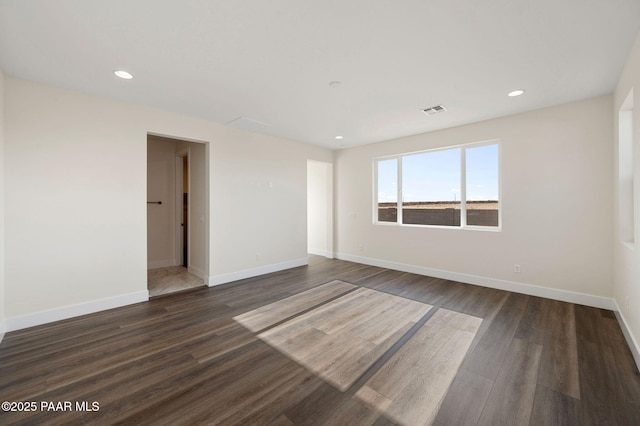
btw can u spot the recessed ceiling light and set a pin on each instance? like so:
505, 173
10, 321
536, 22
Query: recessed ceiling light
334, 84
123, 74
339, 137
516, 93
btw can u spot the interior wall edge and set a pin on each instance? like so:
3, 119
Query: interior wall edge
197, 272
254, 272
70, 311
515, 287
628, 335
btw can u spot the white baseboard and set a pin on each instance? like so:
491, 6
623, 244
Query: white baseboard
155, 264
530, 289
57, 314
631, 341
250, 273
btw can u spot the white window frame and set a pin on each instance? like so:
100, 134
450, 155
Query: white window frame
463, 187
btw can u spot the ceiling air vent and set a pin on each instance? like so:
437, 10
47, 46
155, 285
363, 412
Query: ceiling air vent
434, 110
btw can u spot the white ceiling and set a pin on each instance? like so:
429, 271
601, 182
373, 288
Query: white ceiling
272, 61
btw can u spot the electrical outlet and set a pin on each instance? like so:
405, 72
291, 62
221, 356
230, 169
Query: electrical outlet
516, 268
361, 247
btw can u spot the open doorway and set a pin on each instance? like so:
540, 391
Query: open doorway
176, 215
182, 208
320, 208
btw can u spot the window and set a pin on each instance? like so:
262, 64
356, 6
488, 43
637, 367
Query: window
388, 190
455, 187
431, 188
482, 185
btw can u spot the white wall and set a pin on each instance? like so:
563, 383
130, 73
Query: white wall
258, 203
319, 208
76, 200
627, 258
2, 253
556, 198
161, 218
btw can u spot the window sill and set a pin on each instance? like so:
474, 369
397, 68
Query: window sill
459, 228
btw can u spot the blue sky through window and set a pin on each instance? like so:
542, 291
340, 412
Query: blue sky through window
388, 181
482, 173
431, 176
435, 175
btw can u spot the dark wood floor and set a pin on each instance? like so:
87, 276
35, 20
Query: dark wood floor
182, 359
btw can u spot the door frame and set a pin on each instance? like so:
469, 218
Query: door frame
207, 197
179, 238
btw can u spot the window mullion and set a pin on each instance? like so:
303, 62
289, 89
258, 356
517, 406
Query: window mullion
399, 198
376, 191
463, 188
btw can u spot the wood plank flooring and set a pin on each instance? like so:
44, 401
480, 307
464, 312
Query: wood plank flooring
184, 359
268, 315
340, 340
410, 387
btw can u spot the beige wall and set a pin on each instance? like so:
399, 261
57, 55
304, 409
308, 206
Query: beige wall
2, 252
556, 198
319, 212
76, 200
627, 259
